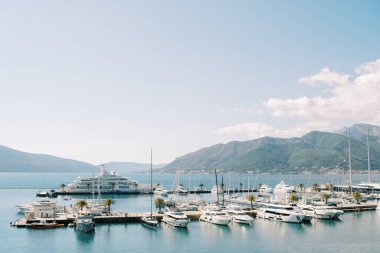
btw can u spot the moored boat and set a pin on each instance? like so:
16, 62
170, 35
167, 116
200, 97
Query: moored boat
175, 218
84, 222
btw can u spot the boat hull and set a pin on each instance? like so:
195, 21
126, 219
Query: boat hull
176, 223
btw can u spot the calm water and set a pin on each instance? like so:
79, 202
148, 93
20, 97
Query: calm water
357, 232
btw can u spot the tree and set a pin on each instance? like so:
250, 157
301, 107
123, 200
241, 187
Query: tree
325, 197
63, 187
160, 203
201, 186
302, 187
293, 197
108, 203
330, 187
357, 196
251, 198
315, 187
81, 203
135, 184
241, 186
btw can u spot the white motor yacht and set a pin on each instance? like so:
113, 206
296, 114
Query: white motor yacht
322, 212
180, 190
238, 215
175, 218
266, 189
279, 213
213, 214
161, 191
84, 222
284, 188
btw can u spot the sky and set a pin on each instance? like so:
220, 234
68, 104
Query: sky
102, 81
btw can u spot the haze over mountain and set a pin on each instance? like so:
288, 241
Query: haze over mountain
17, 161
310, 152
131, 167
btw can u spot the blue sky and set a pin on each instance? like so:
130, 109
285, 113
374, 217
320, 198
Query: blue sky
104, 81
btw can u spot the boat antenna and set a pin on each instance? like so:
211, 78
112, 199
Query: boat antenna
217, 192
369, 160
349, 157
151, 183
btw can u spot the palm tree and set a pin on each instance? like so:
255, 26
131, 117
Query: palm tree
315, 187
330, 187
241, 186
302, 187
251, 198
108, 203
81, 203
135, 184
357, 196
325, 197
201, 186
63, 187
160, 203
293, 197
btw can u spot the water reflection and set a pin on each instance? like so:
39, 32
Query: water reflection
84, 237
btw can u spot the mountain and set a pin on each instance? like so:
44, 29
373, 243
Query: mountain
313, 151
131, 167
17, 161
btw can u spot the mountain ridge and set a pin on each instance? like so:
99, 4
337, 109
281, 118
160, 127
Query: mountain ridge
315, 150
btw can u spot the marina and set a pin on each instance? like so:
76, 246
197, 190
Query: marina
128, 211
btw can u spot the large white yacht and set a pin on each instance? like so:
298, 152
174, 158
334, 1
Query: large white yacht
238, 215
105, 182
279, 213
284, 188
175, 218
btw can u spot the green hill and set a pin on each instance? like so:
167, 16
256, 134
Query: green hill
313, 151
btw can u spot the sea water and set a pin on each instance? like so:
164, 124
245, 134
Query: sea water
356, 232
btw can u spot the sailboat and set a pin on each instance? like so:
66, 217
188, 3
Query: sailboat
150, 220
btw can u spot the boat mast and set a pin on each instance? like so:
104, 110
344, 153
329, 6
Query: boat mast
349, 157
93, 186
369, 160
222, 191
151, 183
216, 182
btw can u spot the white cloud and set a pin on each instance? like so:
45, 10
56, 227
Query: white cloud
326, 76
349, 99
257, 130
356, 100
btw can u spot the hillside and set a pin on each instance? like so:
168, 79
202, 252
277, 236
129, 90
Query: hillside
18, 161
312, 151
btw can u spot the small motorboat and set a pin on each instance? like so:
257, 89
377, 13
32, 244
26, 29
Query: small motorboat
43, 224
